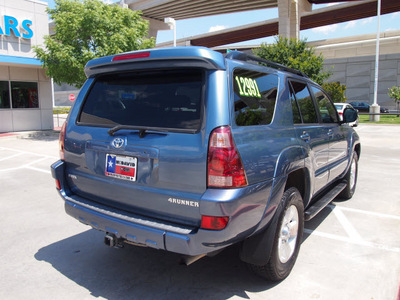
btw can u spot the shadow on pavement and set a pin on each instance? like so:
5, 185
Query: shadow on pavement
44, 135
315, 222
144, 273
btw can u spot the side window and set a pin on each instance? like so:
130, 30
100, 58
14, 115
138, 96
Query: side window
306, 105
295, 108
325, 106
254, 97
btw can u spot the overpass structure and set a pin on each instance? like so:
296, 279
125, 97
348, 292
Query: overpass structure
157, 10
294, 15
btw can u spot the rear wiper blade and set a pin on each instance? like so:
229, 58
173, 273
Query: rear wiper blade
142, 129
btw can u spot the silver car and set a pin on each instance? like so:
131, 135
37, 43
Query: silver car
340, 107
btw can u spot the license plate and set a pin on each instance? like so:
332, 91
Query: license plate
122, 167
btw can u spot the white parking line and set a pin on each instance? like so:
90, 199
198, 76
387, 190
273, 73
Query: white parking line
351, 241
11, 156
34, 162
371, 213
26, 166
347, 226
27, 152
353, 236
37, 169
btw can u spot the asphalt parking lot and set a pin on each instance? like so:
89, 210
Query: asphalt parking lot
350, 251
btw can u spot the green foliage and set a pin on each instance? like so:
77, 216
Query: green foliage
336, 91
295, 54
249, 117
394, 93
392, 119
61, 110
85, 30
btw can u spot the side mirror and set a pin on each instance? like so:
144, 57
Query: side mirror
350, 115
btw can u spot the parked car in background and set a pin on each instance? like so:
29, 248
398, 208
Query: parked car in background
384, 110
360, 106
364, 107
340, 107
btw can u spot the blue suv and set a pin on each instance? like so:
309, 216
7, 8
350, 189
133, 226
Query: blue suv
190, 151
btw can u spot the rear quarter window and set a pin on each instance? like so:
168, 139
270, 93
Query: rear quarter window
254, 97
166, 99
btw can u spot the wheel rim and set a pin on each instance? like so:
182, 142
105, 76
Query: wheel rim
288, 234
353, 172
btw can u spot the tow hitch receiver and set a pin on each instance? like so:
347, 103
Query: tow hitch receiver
112, 241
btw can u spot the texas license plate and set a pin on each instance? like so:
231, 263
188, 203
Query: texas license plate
122, 167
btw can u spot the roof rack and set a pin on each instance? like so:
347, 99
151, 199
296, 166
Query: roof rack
238, 55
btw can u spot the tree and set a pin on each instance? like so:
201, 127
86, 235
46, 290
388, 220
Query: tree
335, 91
295, 54
85, 30
394, 93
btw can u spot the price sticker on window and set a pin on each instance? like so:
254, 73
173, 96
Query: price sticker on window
247, 87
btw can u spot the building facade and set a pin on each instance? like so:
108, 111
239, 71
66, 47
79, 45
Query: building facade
25, 90
352, 63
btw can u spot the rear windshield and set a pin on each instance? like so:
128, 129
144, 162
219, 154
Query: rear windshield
167, 99
338, 106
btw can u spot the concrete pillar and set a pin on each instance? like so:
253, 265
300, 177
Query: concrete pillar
155, 26
374, 109
289, 17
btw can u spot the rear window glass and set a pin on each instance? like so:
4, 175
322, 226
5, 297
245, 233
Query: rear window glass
254, 96
167, 99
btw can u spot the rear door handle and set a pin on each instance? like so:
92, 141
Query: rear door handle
305, 136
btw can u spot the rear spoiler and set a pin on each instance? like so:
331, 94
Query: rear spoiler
185, 57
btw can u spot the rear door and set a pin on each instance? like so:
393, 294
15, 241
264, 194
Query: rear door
313, 136
155, 162
337, 161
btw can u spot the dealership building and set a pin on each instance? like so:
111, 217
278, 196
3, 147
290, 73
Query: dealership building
25, 90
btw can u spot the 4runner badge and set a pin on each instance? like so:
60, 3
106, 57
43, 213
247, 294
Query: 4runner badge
183, 202
118, 142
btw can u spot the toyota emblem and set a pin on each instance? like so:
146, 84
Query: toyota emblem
118, 142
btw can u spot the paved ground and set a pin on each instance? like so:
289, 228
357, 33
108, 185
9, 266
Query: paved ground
350, 251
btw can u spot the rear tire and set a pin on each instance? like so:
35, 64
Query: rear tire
351, 178
287, 241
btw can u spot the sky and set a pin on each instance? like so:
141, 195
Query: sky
196, 26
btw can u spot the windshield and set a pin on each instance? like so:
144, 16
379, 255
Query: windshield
167, 99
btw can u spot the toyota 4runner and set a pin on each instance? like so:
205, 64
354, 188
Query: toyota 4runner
186, 150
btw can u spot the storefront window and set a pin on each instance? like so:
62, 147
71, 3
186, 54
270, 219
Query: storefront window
4, 95
24, 94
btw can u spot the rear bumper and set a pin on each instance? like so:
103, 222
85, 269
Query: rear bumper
246, 207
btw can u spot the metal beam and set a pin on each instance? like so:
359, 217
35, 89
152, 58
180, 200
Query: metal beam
320, 17
185, 9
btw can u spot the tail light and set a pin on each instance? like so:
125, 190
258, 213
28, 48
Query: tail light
225, 167
61, 141
58, 184
214, 223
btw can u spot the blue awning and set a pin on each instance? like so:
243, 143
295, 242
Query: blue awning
20, 60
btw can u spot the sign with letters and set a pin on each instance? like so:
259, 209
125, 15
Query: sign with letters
19, 29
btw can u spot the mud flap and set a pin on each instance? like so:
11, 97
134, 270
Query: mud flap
257, 249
